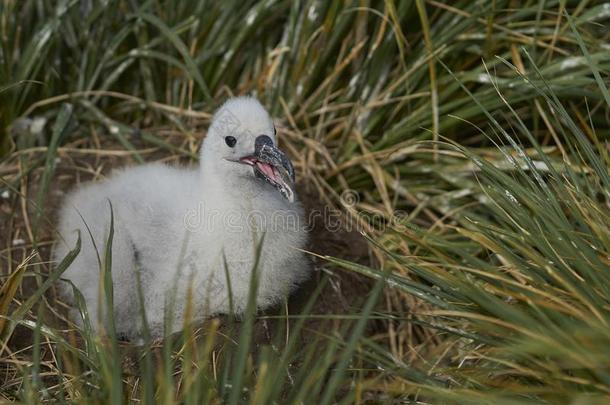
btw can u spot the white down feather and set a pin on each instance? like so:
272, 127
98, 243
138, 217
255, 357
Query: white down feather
173, 224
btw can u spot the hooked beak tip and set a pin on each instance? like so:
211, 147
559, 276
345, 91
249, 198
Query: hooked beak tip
272, 165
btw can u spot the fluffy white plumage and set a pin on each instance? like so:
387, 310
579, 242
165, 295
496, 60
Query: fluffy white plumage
174, 225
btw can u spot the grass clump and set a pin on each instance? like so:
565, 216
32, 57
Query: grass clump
467, 141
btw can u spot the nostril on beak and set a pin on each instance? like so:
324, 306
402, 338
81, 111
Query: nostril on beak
262, 140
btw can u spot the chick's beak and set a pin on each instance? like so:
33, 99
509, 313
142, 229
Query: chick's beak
272, 165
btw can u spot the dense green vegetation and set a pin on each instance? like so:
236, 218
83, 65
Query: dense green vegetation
470, 137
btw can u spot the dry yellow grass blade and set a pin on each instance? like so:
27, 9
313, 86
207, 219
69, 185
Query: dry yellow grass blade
10, 287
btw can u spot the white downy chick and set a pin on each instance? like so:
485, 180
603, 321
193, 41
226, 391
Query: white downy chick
178, 227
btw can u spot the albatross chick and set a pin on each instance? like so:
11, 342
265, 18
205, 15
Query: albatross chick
180, 228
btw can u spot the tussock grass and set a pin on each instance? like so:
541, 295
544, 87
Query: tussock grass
468, 141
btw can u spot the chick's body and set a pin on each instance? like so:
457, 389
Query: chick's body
178, 227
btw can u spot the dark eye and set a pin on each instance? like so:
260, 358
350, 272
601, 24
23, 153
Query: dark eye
231, 141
